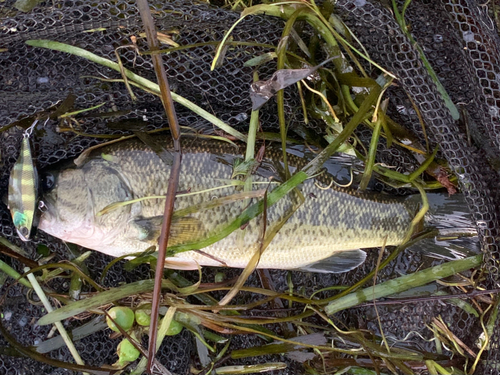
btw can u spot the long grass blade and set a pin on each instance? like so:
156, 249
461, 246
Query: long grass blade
57, 46
62, 331
403, 283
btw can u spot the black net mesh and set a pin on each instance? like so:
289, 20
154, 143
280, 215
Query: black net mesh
458, 37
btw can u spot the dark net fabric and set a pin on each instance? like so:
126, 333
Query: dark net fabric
461, 44
459, 39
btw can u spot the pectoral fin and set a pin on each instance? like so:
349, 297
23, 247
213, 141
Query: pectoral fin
183, 229
339, 262
186, 229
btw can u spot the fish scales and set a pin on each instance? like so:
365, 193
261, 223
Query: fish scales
330, 221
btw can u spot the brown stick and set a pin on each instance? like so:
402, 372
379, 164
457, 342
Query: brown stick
173, 181
30, 263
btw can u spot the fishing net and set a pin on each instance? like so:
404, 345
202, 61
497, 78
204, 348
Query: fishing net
458, 37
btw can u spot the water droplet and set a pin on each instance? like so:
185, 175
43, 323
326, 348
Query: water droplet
468, 36
23, 321
438, 38
359, 3
481, 224
346, 68
493, 111
241, 117
358, 90
402, 109
42, 80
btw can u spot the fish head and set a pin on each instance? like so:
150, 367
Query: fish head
66, 206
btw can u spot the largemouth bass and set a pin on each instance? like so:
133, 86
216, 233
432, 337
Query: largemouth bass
323, 235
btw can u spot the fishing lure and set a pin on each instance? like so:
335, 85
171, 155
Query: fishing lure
23, 188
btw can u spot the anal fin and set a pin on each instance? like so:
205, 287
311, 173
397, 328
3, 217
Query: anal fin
339, 262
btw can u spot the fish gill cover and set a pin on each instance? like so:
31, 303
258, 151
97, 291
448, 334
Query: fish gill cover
460, 42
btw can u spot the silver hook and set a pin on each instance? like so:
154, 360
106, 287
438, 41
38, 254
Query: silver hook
29, 131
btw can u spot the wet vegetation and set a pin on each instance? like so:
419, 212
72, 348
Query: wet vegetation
303, 327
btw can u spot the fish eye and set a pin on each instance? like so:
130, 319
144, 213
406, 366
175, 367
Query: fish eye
24, 231
48, 181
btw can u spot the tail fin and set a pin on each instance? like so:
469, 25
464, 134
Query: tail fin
457, 236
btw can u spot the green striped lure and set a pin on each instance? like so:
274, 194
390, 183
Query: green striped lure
23, 188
